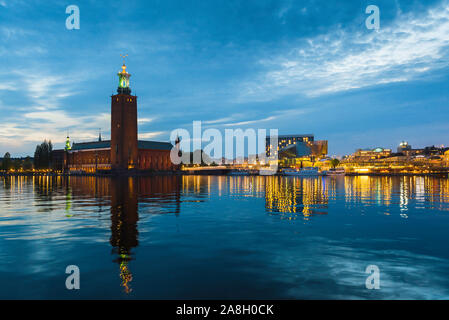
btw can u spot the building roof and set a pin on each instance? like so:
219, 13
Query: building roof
292, 135
91, 145
154, 145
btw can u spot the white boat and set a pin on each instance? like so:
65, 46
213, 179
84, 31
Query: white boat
304, 172
336, 172
267, 171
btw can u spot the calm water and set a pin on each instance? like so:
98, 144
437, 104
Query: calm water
224, 237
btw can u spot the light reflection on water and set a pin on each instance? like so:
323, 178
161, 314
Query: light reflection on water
224, 237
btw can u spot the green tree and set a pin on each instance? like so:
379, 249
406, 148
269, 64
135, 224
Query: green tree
335, 163
6, 163
42, 155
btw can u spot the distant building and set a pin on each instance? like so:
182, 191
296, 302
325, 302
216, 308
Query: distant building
362, 155
404, 147
294, 146
124, 151
446, 157
286, 140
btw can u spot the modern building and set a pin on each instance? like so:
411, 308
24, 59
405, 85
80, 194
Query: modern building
404, 147
297, 146
286, 140
124, 151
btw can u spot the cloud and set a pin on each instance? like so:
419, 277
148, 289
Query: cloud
412, 45
244, 123
145, 120
150, 135
7, 86
34, 127
221, 120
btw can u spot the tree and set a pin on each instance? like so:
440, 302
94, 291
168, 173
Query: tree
42, 155
17, 164
335, 163
27, 164
6, 164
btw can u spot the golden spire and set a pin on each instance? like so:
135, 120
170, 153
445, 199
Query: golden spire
124, 66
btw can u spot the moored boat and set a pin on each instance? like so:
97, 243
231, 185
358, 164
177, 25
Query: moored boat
304, 172
336, 172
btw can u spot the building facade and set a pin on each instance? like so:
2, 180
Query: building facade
124, 151
295, 146
284, 141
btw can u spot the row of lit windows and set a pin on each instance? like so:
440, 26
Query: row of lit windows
127, 99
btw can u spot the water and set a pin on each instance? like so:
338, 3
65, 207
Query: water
224, 237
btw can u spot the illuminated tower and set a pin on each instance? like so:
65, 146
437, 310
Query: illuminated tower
67, 144
123, 125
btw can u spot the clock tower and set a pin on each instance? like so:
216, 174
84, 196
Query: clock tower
124, 125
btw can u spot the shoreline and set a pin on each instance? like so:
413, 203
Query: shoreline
184, 173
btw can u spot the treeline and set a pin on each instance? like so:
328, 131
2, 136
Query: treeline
16, 164
42, 159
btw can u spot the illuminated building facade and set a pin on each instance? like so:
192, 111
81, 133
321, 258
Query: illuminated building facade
404, 147
286, 140
124, 151
294, 146
362, 155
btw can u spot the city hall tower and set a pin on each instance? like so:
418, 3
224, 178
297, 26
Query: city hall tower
124, 145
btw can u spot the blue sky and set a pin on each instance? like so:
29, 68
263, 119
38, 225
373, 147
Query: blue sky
296, 66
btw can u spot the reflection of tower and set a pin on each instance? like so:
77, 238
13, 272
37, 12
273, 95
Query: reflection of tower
124, 219
177, 195
123, 125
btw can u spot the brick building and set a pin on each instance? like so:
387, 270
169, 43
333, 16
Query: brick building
124, 151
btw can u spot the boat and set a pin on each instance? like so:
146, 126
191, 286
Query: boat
238, 173
336, 172
304, 172
267, 171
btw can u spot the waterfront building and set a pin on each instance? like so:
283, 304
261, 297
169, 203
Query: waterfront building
365, 155
286, 140
404, 147
124, 151
295, 146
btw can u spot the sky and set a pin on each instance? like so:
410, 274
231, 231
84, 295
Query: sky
297, 66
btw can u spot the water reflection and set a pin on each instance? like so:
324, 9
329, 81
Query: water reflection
125, 198
59, 207
293, 197
124, 219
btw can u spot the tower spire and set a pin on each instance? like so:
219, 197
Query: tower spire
99, 134
123, 84
67, 143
